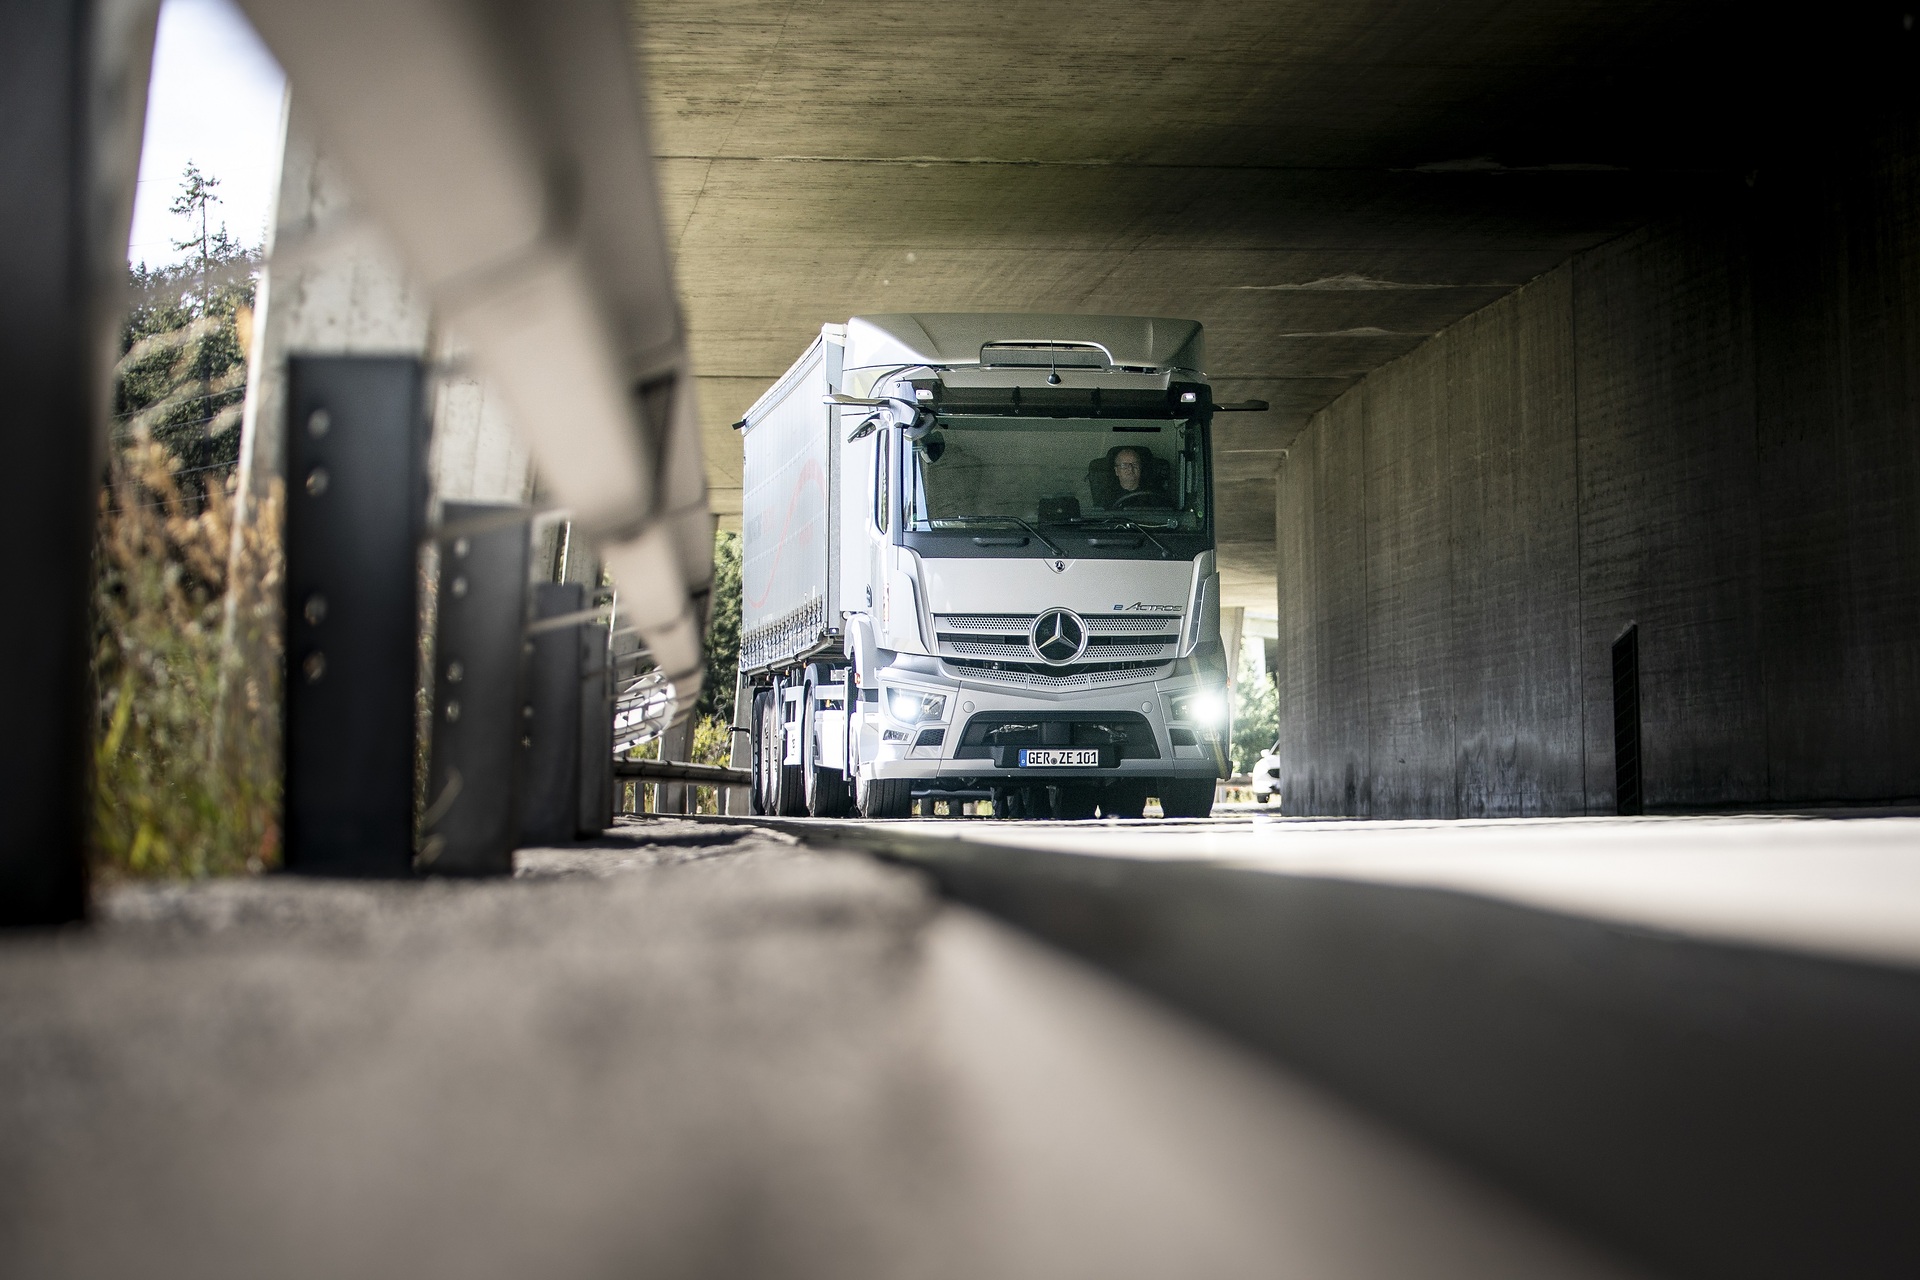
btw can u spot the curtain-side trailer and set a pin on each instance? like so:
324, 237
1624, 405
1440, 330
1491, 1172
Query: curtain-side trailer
978, 563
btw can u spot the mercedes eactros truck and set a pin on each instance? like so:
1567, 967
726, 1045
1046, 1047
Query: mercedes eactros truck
978, 563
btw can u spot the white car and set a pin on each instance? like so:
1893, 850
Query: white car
1265, 775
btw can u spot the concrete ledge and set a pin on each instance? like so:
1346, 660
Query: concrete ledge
1713, 1107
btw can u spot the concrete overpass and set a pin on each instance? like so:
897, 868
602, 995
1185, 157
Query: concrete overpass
1572, 318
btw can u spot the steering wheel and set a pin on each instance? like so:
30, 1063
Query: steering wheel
1139, 498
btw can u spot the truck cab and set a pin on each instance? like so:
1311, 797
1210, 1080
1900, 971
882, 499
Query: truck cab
979, 564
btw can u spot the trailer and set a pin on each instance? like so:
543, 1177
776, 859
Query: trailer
978, 563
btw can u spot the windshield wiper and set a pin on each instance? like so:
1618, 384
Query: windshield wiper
963, 521
1114, 522
1145, 531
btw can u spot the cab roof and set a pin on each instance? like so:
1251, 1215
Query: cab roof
951, 339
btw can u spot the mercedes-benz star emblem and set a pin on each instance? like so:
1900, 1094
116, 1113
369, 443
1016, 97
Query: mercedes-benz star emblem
1058, 637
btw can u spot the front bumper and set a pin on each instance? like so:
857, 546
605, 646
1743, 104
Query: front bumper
971, 699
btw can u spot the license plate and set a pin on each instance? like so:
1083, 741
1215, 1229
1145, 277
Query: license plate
1070, 758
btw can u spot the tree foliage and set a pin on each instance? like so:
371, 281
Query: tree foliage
183, 347
723, 630
1256, 714
186, 774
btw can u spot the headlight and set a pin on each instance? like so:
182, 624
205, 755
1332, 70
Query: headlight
1204, 707
909, 707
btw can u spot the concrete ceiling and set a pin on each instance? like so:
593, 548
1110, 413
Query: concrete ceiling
1323, 184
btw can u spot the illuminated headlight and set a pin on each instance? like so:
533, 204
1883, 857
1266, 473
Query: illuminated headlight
909, 707
1204, 707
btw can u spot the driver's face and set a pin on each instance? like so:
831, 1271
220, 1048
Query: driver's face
1126, 469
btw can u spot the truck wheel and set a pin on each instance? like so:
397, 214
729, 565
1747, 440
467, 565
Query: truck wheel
826, 788
1074, 803
758, 789
1123, 800
784, 797
1186, 797
886, 798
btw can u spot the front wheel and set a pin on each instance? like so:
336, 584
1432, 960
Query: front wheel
1186, 797
886, 797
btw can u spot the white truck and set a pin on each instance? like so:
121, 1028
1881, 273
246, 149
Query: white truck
978, 563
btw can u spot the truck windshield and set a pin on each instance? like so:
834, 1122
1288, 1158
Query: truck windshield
1057, 471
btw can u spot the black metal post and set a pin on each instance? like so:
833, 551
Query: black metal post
550, 807
70, 96
596, 731
356, 501
479, 689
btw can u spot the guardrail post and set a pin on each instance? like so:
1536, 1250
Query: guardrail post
676, 744
550, 804
479, 679
51, 434
356, 500
596, 730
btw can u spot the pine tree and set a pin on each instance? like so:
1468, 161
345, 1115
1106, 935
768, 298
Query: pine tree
196, 198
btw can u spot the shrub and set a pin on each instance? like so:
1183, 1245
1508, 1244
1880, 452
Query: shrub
187, 676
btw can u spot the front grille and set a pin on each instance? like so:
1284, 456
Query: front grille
1032, 675
995, 646
1004, 623
1021, 623
1016, 649
1127, 730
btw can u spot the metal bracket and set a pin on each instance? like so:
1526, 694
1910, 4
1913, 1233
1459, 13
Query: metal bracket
479, 689
356, 481
549, 811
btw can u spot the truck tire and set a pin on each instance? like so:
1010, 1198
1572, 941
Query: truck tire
1186, 797
757, 753
826, 788
784, 798
887, 798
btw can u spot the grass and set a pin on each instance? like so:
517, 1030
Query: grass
186, 765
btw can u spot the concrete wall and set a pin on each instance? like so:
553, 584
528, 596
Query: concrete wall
1709, 427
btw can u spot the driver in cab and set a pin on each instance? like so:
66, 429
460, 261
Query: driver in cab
1131, 491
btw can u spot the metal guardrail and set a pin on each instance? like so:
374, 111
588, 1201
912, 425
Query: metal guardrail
672, 771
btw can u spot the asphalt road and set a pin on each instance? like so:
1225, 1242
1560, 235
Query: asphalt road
686, 1050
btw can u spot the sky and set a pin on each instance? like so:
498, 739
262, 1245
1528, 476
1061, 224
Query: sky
214, 99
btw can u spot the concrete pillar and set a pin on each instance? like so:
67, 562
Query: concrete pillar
476, 455
332, 286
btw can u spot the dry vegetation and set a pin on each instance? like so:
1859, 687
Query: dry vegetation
187, 759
